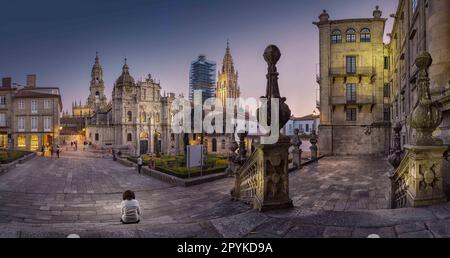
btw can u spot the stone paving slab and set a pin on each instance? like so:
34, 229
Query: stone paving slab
80, 193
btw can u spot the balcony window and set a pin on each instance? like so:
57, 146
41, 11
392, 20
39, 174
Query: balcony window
351, 92
34, 123
21, 124
336, 37
33, 106
351, 64
2, 101
386, 90
386, 62
97, 137
21, 104
351, 35
351, 114
129, 137
47, 104
47, 123
387, 114
129, 116
2, 119
365, 35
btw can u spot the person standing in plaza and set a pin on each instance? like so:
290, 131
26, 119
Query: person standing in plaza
57, 151
139, 163
43, 150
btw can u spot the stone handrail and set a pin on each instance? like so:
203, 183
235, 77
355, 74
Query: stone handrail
247, 180
399, 185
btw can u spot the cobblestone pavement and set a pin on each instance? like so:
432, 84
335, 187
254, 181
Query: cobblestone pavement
80, 193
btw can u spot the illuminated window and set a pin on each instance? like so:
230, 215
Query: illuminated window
34, 142
21, 141
351, 35
336, 37
365, 35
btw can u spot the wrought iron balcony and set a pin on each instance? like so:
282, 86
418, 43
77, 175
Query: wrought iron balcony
359, 100
359, 71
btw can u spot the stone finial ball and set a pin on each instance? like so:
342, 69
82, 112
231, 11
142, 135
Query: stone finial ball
272, 54
424, 60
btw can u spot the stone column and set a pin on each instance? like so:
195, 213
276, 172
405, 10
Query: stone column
296, 152
426, 154
273, 190
313, 147
425, 182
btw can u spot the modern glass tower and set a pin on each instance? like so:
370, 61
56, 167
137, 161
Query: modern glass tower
202, 76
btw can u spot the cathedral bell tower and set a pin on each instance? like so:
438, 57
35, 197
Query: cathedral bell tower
227, 86
97, 98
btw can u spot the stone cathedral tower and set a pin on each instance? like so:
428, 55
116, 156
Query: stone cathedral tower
97, 99
227, 86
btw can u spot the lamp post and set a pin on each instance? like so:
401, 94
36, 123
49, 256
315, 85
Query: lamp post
314, 116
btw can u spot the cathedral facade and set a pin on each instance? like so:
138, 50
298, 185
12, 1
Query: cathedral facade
138, 118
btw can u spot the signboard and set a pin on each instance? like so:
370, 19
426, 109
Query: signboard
194, 156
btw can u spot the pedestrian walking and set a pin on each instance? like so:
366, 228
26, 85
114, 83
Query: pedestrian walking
43, 150
57, 151
139, 163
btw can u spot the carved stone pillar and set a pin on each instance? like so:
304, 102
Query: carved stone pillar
272, 189
296, 152
425, 179
313, 148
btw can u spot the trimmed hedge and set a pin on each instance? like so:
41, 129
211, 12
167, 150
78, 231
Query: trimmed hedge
8, 156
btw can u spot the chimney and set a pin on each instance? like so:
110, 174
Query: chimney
6, 82
31, 81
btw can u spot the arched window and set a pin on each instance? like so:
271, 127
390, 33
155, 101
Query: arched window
365, 35
97, 95
351, 35
214, 145
143, 117
222, 146
336, 37
129, 116
129, 137
157, 118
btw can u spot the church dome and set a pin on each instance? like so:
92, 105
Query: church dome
125, 78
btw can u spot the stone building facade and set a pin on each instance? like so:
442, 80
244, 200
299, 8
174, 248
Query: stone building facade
352, 77
29, 115
419, 26
138, 118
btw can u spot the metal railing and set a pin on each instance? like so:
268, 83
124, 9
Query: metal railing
369, 71
344, 100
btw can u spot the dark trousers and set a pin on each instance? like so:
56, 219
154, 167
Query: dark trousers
139, 168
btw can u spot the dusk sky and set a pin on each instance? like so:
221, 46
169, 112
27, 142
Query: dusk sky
57, 40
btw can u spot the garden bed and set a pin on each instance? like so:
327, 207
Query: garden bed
8, 156
175, 165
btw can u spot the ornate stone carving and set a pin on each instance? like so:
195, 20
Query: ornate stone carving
313, 147
296, 152
397, 155
426, 116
